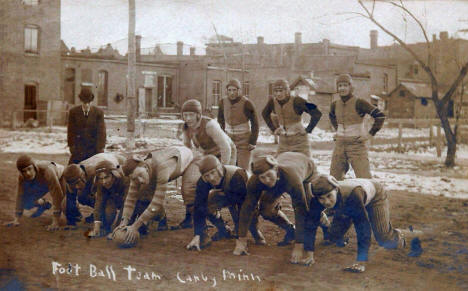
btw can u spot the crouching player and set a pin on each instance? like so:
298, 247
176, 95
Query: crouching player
144, 201
36, 179
80, 180
362, 202
205, 137
110, 186
290, 173
219, 186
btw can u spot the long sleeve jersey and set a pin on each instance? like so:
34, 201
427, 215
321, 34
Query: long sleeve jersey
289, 182
211, 139
47, 178
235, 192
250, 113
362, 108
353, 207
300, 106
116, 192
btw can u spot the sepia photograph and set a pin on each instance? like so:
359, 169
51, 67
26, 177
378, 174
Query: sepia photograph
233, 145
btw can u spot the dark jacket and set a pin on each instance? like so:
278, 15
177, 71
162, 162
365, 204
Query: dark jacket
86, 135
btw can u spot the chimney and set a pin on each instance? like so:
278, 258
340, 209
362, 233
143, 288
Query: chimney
326, 46
434, 38
192, 50
180, 48
374, 36
443, 35
260, 40
138, 47
298, 40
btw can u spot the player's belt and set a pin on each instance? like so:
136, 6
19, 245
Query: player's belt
238, 129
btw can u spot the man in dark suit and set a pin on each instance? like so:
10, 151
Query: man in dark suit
86, 132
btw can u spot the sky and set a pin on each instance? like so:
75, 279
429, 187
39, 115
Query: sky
96, 23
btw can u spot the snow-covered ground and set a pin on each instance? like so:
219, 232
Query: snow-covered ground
417, 171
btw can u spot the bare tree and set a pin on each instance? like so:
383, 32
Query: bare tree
441, 103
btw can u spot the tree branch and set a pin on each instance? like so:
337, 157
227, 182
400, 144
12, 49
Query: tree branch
401, 6
426, 68
455, 84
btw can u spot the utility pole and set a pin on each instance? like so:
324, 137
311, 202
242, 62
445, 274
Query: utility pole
131, 77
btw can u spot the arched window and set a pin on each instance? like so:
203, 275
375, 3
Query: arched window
102, 88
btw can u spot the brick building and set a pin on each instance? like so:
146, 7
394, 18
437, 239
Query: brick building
30, 57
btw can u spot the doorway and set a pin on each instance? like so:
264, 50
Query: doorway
30, 103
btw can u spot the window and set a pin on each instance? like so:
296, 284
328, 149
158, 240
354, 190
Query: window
385, 82
31, 36
402, 93
415, 69
246, 89
31, 2
216, 90
102, 88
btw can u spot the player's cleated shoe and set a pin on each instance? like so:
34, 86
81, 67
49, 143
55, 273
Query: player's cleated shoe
288, 238
90, 218
41, 208
162, 226
223, 234
205, 240
186, 223
259, 238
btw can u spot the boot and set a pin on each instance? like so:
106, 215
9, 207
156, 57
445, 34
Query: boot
162, 226
205, 240
259, 238
224, 231
256, 233
288, 237
90, 218
41, 208
188, 220
282, 221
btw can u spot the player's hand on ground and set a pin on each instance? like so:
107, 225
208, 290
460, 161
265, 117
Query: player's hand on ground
15, 222
358, 267
308, 258
131, 235
241, 247
194, 243
54, 226
297, 253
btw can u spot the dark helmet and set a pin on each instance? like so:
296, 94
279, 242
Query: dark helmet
72, 173
108, 166
208, 163
192, 105
234, 83
24, 161
281, 83
263, 163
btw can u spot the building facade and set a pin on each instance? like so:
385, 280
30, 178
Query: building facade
30, 58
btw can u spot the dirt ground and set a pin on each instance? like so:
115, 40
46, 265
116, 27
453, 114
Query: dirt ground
30, 255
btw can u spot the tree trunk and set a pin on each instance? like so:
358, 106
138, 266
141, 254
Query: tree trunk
449, 136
